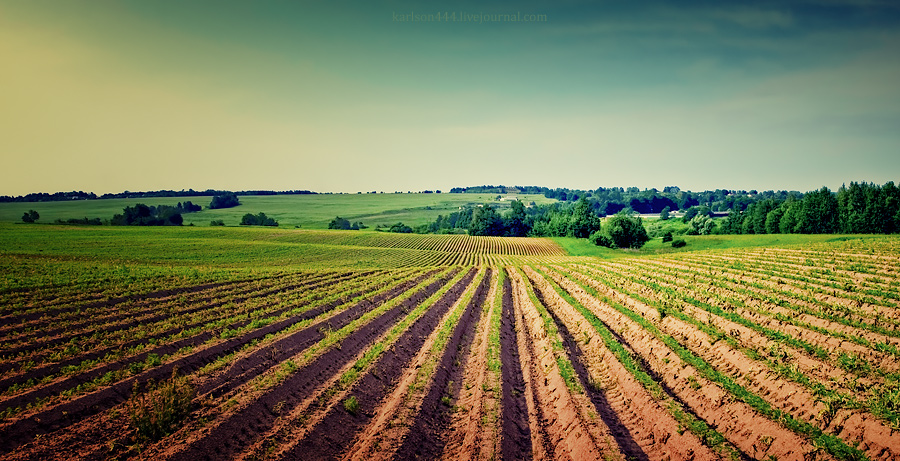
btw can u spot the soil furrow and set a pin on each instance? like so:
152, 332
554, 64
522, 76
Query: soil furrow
334, 433
426, 439
151, 310
53, 368
472, 427
515, 435
238, 432
247, 367
63, 415
621, 434
64, 383
78, 337
750, 432
563, 428
12, 319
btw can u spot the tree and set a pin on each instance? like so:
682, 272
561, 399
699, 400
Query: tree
258, 220
485, 221
30, 216
584, 222
143, 215
664, 214
773, 219
400, 228
626, 232
339, 223
702, 225
227, 200
516, 221
818, 213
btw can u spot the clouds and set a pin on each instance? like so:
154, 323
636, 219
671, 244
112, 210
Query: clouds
275, 96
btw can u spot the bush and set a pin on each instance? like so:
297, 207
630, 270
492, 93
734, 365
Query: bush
627, 232
143, 215
217, 222
258, 220
702, 225
30, 216
351, 405
339, 223
81, 221
678, 243
667, 237
600, 239
158, 410
400, 228
228, 200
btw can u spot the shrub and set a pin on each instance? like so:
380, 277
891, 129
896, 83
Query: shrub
81, 221
600, 239
30, 216
258, 220
627, 232
143, 215
339, 223
217, 222
351, 405
667, 237
158, 410
678, 243
400, 228
224, 201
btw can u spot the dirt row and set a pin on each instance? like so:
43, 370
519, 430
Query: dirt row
858, 427
241, 429
106, 345
62, 383
95, 326
752, 434
641, 427
26, 428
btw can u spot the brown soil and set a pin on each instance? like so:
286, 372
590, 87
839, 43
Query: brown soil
558, 428
753, 434
333, 435
60, 416
641, 427
468, 438
238, 432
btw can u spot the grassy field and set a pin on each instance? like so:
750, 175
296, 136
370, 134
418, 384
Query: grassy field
306, 211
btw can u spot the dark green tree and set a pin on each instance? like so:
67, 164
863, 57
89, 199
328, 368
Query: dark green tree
583, 222
515, 221
30, 216
227, 200
626, 231
339, 223
664, 214
486, 221
818, 213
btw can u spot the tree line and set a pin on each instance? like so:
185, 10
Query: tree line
81, 195
860, 208
577, 220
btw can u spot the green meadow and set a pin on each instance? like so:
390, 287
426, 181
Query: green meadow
306, 211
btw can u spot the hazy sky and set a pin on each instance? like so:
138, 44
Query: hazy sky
107, 96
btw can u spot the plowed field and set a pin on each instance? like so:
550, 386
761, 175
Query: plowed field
769, 353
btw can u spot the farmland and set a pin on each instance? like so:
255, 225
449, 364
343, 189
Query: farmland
305, 344
306, 211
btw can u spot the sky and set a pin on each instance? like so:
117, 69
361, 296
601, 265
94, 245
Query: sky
107, 96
